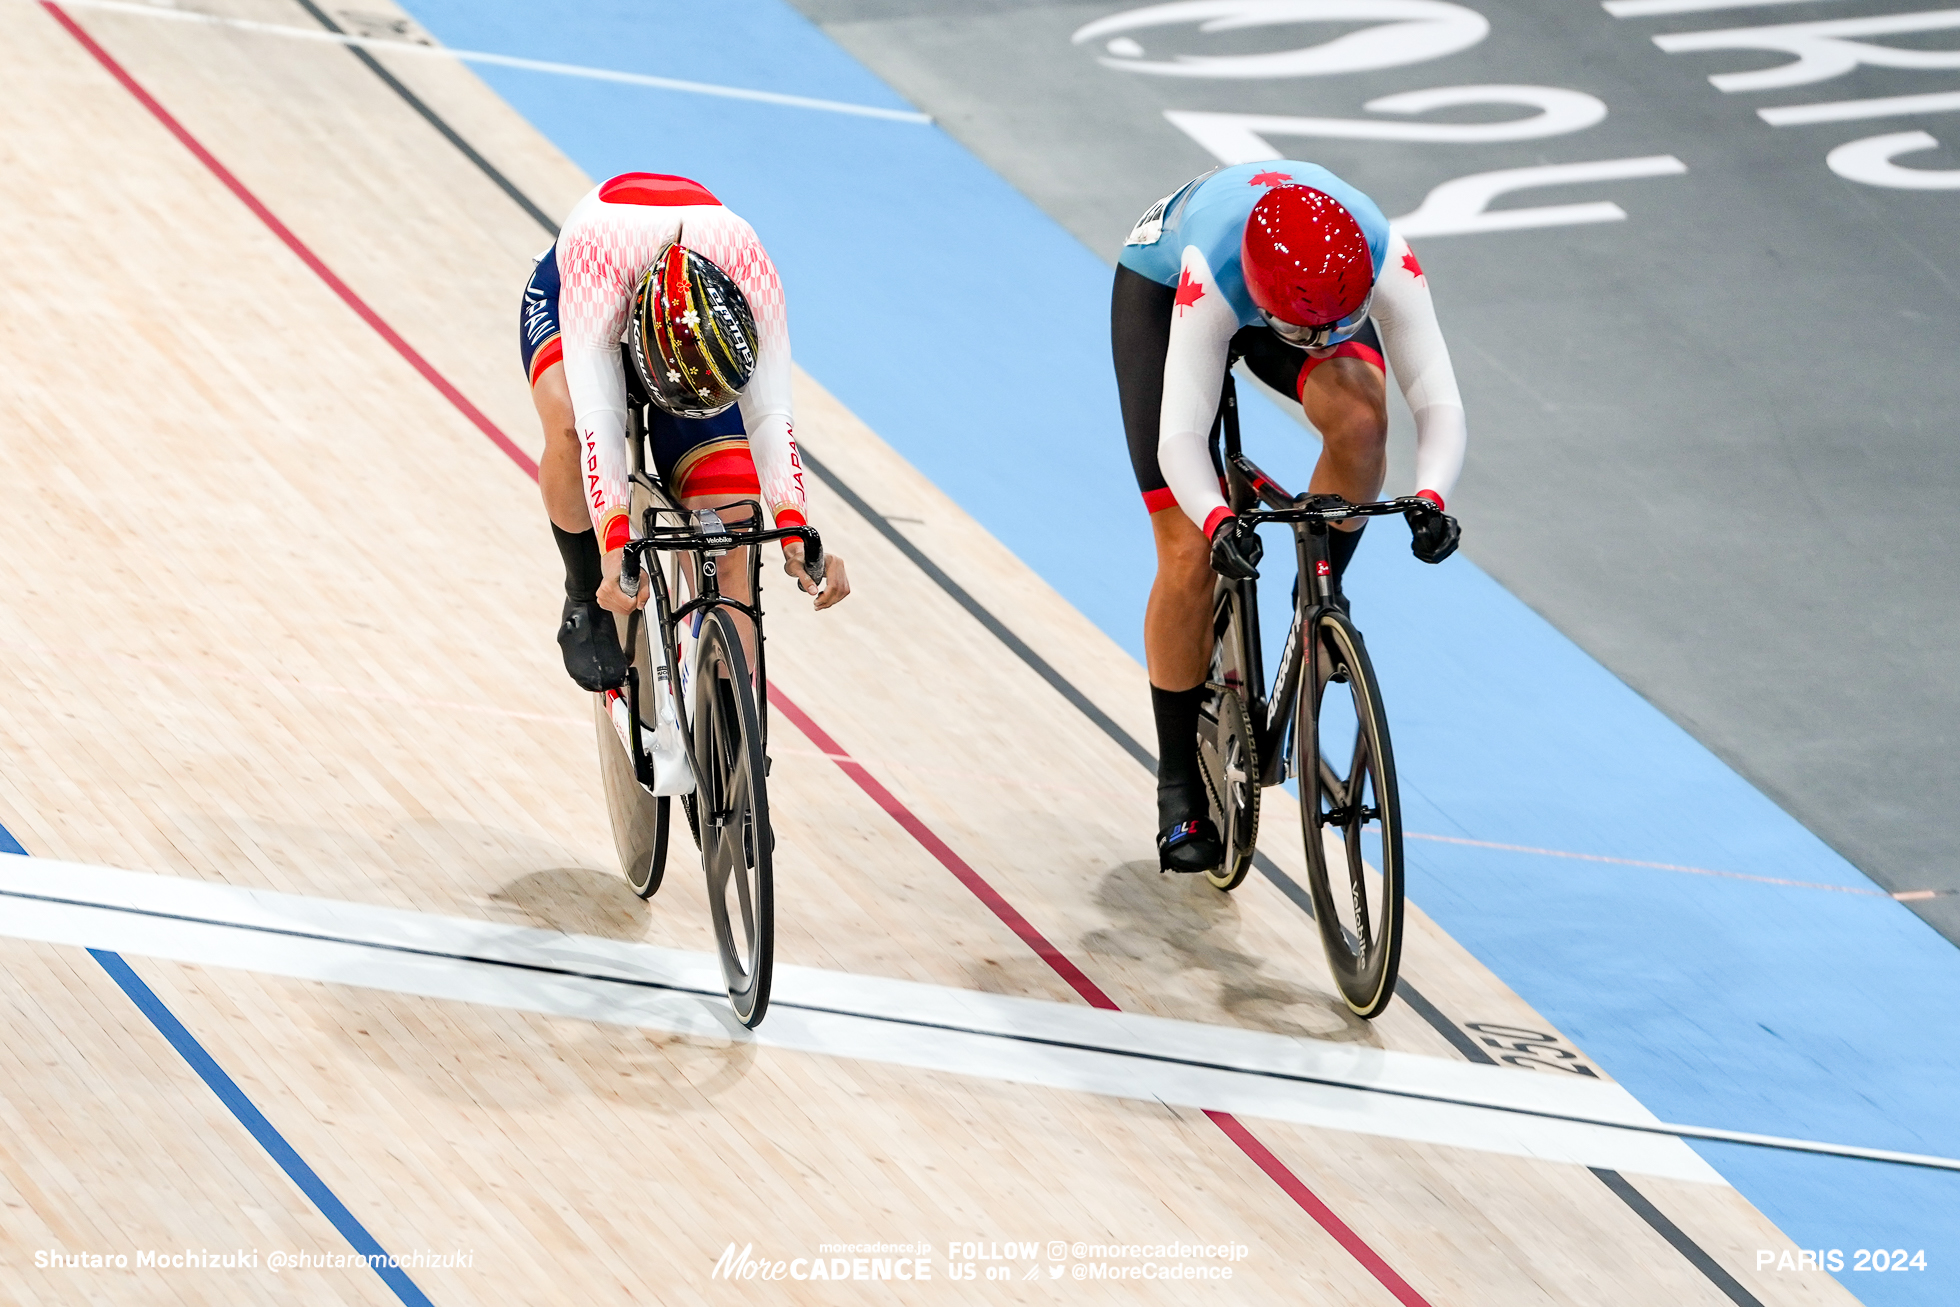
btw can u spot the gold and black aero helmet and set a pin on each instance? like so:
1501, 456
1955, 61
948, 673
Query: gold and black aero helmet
692, 336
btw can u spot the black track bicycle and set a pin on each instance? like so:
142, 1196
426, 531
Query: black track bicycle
692, 720
1321, 723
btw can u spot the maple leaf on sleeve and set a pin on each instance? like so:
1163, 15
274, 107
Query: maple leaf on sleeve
1189, 291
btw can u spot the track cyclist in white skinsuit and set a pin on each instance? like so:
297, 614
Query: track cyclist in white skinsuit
653, 272
1293, 270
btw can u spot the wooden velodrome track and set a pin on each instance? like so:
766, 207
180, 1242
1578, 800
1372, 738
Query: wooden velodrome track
278, 617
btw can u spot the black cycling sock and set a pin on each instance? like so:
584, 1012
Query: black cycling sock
1180, 789
580, 550
1340, 550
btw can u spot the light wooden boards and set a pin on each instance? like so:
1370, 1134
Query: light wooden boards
282, 618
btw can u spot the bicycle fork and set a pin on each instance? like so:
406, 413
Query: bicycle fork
1292, 670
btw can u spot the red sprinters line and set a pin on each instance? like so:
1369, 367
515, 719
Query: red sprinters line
1234, 1129
298, 246
1357, 1246
918, 830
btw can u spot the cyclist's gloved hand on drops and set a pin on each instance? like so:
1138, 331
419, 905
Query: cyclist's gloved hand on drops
1435, 532
611, 597
1236, 550
836, 585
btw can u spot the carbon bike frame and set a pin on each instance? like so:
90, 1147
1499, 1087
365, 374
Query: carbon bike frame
702, 533
1309, 516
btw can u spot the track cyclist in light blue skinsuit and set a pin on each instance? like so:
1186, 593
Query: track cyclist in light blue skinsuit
1288, 267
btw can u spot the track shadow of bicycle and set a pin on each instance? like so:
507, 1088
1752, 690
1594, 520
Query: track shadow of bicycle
662, 1071
520, 1060
523, 1061
1179, 926
574, 901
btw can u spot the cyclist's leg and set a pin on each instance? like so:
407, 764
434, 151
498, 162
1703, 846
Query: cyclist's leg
1345, 397
542, 351
1177, 643
1176, 630
586, 632
1177, 622
558, 475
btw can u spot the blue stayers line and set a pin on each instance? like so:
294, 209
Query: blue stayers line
249, 1116
262, 1130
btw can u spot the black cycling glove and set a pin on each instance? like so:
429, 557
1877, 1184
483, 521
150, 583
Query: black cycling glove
1236, 551
1435, 533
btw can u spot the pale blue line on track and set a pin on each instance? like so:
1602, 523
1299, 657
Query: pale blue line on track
249, 1116
971, 332
412, 49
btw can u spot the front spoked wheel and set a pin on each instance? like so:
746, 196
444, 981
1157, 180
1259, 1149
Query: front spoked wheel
1350, 815
732, 806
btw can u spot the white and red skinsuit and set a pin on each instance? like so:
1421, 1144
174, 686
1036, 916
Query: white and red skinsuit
611, 238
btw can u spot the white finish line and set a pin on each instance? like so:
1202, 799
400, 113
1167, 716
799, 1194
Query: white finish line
834, 1014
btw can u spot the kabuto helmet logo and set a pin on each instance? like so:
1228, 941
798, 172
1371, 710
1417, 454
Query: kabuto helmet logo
692, 335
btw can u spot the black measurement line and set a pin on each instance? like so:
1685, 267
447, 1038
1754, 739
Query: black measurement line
1668, 1230
434, 120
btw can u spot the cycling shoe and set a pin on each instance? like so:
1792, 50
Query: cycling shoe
1190, 846
590, 641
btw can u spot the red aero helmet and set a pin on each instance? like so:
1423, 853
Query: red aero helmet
1306, 260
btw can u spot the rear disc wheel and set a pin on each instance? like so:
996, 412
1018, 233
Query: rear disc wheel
640, 821
1228, 757
1228, 754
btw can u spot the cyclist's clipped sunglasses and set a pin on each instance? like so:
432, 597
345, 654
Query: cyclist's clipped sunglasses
1322, 337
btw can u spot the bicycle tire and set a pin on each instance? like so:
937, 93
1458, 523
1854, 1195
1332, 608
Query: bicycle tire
1228, 751
640, 822
1360, 910
732, 802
